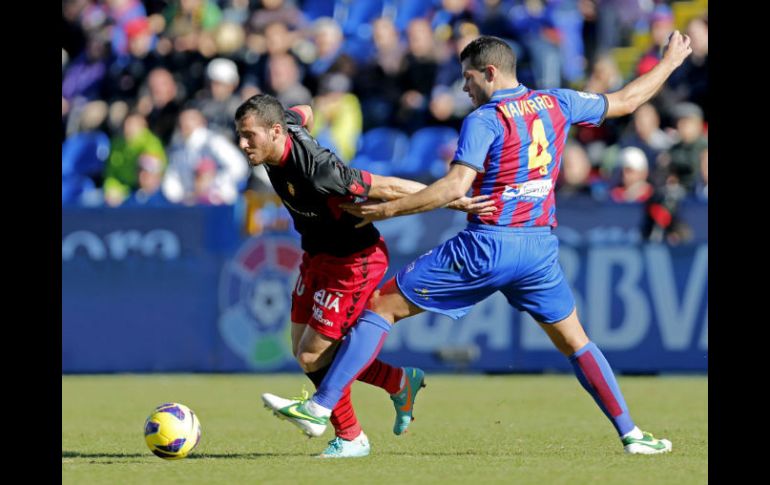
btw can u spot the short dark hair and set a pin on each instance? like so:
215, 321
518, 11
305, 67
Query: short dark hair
265, 108
486, 50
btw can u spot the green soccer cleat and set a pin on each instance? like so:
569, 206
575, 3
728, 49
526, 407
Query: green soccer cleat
340, 448
647, 445
404, 400
294, 410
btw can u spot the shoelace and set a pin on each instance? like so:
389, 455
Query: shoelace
304, 397
336, 444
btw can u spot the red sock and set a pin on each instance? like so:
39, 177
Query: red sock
383, 375
343, 418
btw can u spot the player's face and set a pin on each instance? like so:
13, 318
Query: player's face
475, 84
256, 141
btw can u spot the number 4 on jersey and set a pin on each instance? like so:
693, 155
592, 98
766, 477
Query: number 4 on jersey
538, 148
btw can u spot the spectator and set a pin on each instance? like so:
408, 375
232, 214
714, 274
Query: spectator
277, 41
190, 27
328, 38
219, 101
121, 14
377, 82
578, 177
634, 186
284, 81
195, 145
160, 104
662, 221
84, 154
230, 40
569, 23
280, 11
661, 26
608, 24
148, 194
418, 75
683, 160
605, 76
128, 72
337, 116
448, 102
690, 81
533, 23
73, 35
85, 74
644, 133
122, 170
452, 13
492, 19
186, 19
235, 11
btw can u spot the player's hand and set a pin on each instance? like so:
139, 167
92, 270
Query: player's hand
368, 211
678, 49
481, 204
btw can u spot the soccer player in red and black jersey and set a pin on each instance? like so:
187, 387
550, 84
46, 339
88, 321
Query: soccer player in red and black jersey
342, 264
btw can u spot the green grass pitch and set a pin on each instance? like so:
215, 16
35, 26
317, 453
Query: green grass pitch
529, 429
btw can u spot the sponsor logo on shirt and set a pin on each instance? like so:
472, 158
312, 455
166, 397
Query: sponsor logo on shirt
535, 189
318, 314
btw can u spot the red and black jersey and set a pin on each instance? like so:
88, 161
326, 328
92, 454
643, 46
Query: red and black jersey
312, 182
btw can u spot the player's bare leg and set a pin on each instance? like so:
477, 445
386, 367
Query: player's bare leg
595, 375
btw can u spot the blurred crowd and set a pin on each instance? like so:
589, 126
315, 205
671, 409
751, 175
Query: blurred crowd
149, 90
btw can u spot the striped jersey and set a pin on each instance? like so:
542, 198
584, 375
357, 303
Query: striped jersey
515, 141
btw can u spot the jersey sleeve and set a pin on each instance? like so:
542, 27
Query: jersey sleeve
332, 177
294, 117
477, 134
586, 109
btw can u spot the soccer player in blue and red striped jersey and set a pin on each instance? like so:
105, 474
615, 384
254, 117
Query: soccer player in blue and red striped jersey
510, 149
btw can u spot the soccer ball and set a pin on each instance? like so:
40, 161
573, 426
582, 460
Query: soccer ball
172, 431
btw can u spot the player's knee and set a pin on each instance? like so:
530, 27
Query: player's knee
307, 360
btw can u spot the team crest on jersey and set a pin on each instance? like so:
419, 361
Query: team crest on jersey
290, 187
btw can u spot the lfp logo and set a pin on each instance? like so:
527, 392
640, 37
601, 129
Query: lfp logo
255, 300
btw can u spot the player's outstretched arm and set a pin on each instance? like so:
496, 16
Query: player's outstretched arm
641, 89
451, 187
392, 188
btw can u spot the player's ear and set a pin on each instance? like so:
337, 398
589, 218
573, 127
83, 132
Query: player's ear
490, 72
275, 131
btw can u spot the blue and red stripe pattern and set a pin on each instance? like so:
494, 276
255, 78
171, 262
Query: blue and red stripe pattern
516, 141
596, 376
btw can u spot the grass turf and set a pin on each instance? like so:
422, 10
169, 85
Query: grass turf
483, 429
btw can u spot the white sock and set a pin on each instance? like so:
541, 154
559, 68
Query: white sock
635, 433
317, 410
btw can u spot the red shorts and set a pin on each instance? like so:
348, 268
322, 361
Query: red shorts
331, 291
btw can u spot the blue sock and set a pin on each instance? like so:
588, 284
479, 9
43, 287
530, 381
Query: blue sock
594, 373
355, 354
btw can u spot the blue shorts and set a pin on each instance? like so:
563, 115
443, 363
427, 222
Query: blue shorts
522, 263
